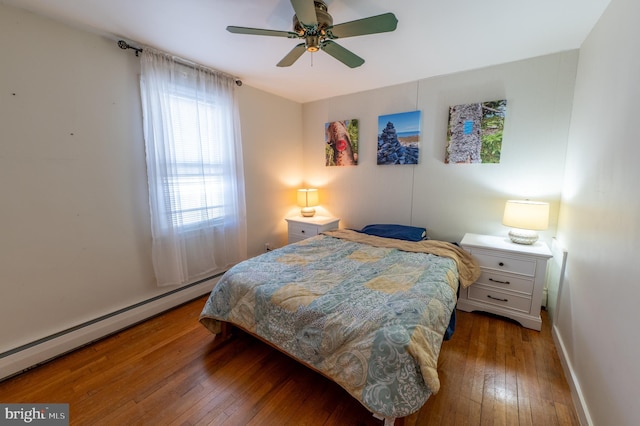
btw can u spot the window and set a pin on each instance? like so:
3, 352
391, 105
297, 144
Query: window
194, 191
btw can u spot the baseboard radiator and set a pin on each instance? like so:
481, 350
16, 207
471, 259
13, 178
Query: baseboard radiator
25, 357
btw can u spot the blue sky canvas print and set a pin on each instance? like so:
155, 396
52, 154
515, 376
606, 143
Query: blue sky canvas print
399, 138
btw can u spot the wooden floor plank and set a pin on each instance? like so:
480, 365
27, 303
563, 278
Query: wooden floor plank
169, 371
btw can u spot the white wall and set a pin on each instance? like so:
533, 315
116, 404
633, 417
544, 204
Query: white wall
75, 238
271, 129
449, 199
597, 320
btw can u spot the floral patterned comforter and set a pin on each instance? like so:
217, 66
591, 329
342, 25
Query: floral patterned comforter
370, 318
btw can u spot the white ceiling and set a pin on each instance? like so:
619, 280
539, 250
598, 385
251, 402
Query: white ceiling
433, 37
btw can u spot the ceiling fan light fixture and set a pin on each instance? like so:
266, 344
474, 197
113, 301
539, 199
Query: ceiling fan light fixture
312, 43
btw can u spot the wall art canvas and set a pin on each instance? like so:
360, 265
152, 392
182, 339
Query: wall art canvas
341, 143
475, 132
399, 138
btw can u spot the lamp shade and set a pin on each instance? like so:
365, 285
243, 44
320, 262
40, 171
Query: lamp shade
308, 199
530, 215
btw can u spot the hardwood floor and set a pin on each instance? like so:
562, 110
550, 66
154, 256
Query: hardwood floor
166, 371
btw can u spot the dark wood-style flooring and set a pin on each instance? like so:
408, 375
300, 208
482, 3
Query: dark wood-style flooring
166, 371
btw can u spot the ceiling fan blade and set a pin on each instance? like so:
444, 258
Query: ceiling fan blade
292, 56
372, 25
260, 31
305, 11
345, 56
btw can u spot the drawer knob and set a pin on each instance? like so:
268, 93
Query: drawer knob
501, 264
302, 231
497, 298
498, 281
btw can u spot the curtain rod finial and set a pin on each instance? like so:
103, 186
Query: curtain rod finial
124, 45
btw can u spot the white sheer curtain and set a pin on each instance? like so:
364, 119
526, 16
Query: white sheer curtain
194, 167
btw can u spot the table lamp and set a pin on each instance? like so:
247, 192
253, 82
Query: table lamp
525, 218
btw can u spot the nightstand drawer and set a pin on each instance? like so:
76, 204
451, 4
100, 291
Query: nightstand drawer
305, 227
506, 282
498, 298
302, 230
505, 263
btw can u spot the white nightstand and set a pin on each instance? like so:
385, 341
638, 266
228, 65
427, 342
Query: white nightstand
304, 227
512, 279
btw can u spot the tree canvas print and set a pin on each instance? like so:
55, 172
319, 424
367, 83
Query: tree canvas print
341, 143
475, 132
399, 138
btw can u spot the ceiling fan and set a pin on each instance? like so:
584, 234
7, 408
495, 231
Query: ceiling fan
314, 25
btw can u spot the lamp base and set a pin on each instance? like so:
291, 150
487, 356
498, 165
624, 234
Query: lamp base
308, 211
523, 236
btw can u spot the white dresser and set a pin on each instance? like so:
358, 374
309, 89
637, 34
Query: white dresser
304, 227
512, 279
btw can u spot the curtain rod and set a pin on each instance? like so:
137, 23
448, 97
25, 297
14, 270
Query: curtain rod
124, 45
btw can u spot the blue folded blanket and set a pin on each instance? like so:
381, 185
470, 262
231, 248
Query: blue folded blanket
400, 232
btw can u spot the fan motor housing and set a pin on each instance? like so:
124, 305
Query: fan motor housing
313, 34
324, 21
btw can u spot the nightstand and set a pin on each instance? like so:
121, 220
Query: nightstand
304, 227
512, 278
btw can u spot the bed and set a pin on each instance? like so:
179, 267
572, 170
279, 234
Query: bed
367, 312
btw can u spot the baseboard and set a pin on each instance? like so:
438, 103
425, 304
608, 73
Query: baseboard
20, 359
576, 392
